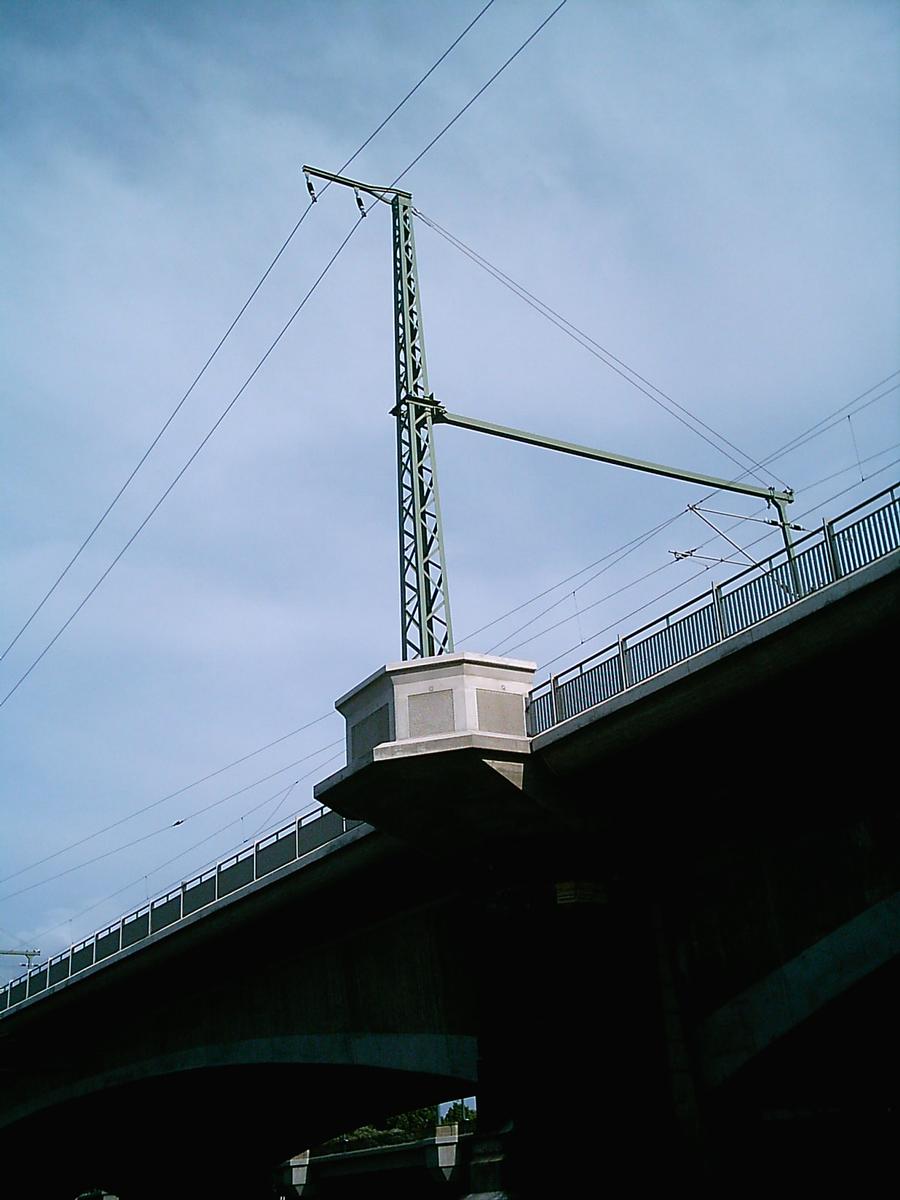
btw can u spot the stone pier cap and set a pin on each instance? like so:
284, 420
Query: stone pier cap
432, 705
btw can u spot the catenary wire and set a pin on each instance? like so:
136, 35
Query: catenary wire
405, 171
813, 431
703, 571
600, 352
568, 579
267, 821
669, 563
286, 792
484, 87
170, 824
265, 357
228, 332
188, 850
65, 625
820, 427
162, 800
633, 546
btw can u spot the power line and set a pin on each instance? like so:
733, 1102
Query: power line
609, 596
264, 358
482, 90
634, 545
170, 796
228, 331
568, 579
822, 426
600, 352
172, 824
65, 625
188, 850
813, 431
696, 575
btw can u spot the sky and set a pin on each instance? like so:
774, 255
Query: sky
708, 190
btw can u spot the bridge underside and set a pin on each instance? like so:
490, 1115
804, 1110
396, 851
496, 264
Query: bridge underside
209, 1132
821, 1106
606, 982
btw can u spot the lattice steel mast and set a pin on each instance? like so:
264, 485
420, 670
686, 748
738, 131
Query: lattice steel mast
424, 600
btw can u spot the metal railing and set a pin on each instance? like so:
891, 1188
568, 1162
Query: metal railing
278, 849
849, 542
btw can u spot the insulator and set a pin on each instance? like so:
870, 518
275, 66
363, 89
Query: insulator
310, 189
359, 202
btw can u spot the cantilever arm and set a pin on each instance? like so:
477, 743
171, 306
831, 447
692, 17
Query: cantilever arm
440, 415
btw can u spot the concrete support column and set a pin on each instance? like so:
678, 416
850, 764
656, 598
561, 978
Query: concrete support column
575, 1066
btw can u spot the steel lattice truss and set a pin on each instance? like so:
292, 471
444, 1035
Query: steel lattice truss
424, 599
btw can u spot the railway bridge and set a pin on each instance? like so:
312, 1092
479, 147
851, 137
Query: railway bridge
648, 911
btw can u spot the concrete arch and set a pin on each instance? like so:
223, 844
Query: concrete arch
451, 1057
777, 1004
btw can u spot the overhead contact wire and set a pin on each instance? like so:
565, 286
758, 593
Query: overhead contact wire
600, 352
162, 800
228, 331
172, 824
265, 357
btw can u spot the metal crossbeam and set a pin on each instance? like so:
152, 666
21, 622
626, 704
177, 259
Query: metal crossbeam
609, 456
773, 497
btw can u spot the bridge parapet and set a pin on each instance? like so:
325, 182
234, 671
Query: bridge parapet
282, 848
862, 535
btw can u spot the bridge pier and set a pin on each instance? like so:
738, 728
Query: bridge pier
582, 1067
656, 956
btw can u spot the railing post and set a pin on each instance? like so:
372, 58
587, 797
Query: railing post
718, 618
831, 550
554, 709
624, 671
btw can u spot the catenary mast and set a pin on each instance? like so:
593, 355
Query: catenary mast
425, 624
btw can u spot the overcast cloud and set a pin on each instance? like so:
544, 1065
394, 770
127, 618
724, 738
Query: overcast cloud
709, 189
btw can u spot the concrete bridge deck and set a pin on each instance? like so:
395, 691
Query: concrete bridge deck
685, 897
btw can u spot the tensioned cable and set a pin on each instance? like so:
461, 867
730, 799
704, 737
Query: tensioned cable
172, 824
835, 419
602, 600
65, 625
267, 821
188, 850
618, 621
633, 546
820, 427
162, 800
546, 592
600, 352
670, 563
772, 532
813, 431
228, 331
634, 612
268, 352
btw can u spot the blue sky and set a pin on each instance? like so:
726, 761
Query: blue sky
709, 190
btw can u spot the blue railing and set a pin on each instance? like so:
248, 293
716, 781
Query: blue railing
286, 845
842, 546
